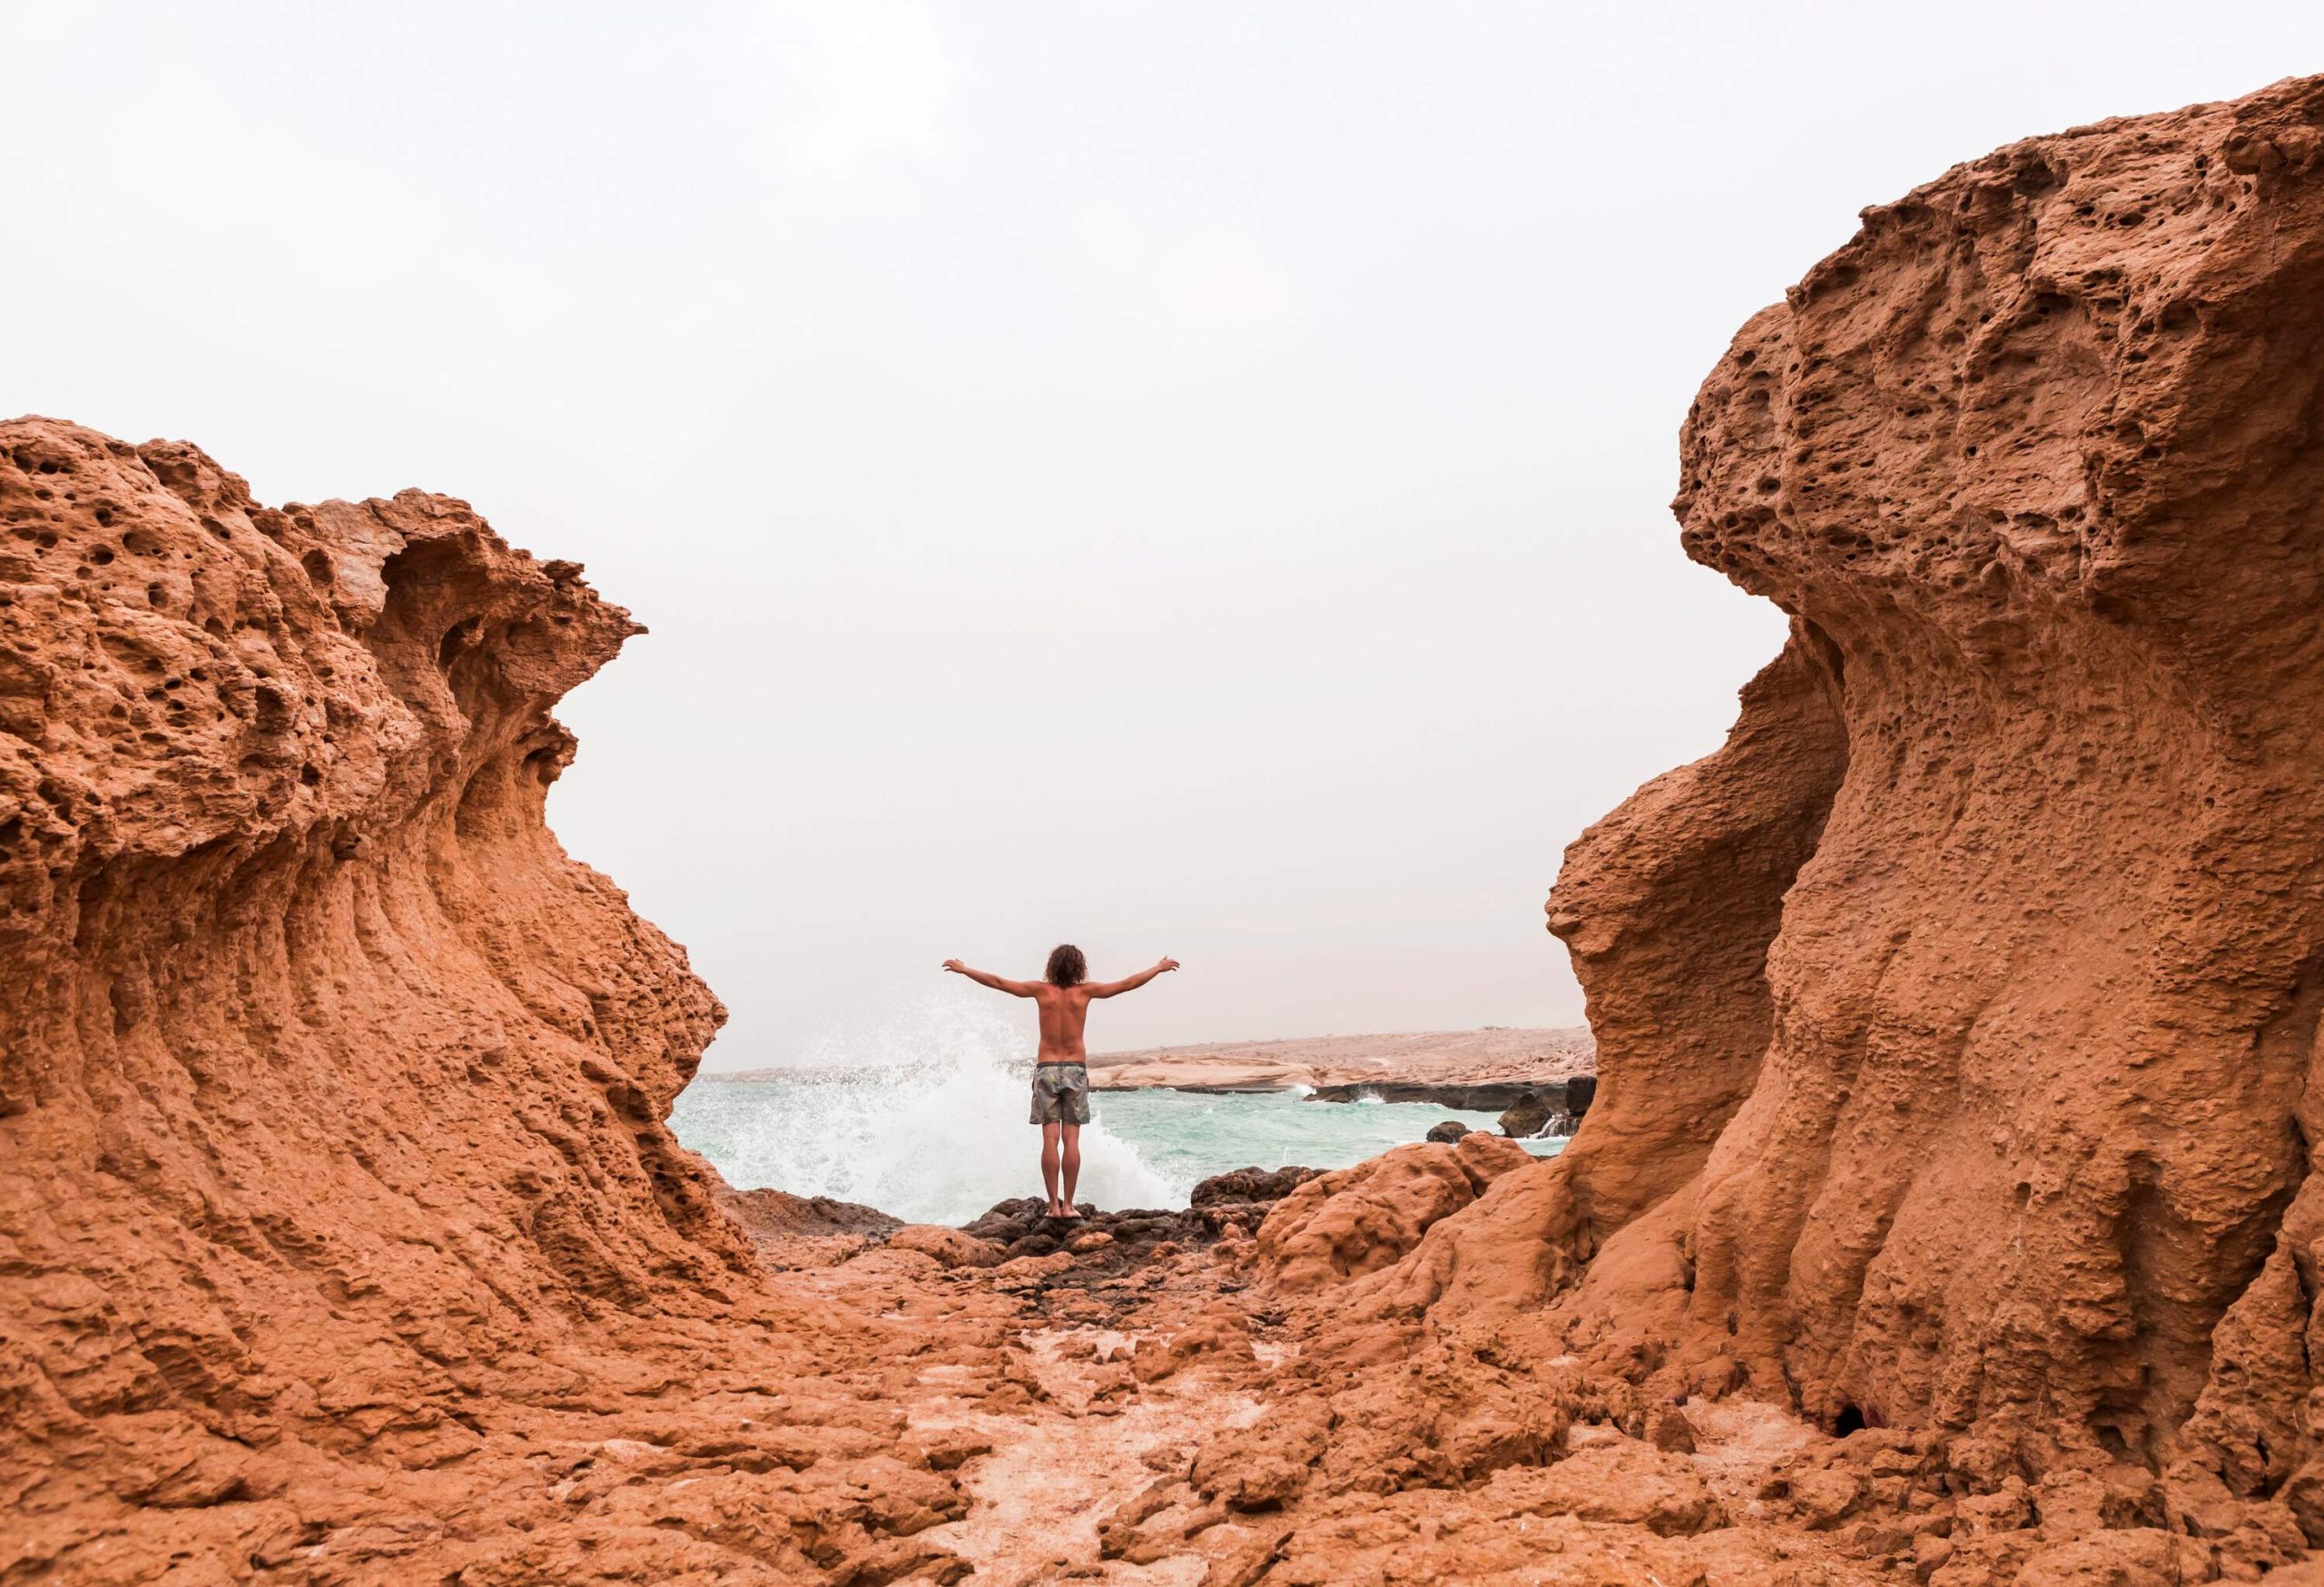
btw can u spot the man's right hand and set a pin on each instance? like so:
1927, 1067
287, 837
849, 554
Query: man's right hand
1167, 964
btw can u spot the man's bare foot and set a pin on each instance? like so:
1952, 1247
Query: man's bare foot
1051, 1210
1071, 1215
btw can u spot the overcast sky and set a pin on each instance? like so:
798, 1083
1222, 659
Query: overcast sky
1180, 478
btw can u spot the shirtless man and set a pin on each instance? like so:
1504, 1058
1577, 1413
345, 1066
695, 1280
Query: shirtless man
1060, 1072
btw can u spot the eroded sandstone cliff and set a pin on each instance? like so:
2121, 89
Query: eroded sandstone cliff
339, 1224
1958, 1022
1943, 1215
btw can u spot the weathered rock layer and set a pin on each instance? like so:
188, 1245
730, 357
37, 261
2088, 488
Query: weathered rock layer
338, 1223
1958, 1022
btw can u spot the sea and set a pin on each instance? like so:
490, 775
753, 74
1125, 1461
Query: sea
933, 1129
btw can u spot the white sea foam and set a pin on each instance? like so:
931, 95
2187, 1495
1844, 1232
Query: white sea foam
928, 1123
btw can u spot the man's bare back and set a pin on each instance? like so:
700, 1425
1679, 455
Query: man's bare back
1065, 1014
1061, 1073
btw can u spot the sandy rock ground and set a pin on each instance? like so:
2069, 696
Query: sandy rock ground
1153, 1422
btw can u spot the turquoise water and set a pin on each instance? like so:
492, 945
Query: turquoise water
1189, 1136
940, 1142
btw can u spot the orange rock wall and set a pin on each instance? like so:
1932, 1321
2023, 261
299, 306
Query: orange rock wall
2025, 828
330, 1089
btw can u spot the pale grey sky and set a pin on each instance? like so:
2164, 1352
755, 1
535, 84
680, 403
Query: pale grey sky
1183, 477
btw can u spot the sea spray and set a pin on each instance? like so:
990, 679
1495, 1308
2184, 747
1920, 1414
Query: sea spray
921, 1115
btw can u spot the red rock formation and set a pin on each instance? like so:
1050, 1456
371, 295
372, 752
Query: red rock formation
1958, 1022
2034, 460
340, 1237
1357, 1219
1957, 1029
338, 1220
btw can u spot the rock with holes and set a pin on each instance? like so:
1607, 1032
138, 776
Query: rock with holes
1957, 1020
332, 1154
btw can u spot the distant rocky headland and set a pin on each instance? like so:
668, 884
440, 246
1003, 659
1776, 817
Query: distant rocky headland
1484, 1068
1541, 1081
1485, 1071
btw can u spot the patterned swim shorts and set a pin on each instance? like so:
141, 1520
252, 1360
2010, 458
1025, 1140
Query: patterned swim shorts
1060, 1094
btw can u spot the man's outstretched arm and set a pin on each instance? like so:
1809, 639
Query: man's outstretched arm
1106, 989
1015, 989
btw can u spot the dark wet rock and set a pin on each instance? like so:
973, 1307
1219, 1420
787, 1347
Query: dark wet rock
1451, 1130
1244, 1185
1486, 1096
1571, 1096
1017, 1213
1525, 1116
1241, 1198
1555, 1108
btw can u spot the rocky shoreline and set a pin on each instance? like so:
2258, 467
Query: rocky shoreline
1495, 1062
1948, 1215
1534, 1075
1493, 1055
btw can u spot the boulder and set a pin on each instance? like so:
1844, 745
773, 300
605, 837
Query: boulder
1357, 1219
1524, 1117
1485, 1157
1249, 1185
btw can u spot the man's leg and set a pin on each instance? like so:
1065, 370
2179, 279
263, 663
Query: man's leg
1048, 1162
1072, 1166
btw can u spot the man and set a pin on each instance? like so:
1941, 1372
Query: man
1060, 1071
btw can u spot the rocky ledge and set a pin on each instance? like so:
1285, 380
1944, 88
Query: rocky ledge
1228, 1206
1526, 1107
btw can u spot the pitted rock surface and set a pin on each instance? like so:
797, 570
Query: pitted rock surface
1957, 1021
1943, 1215
341, 1237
